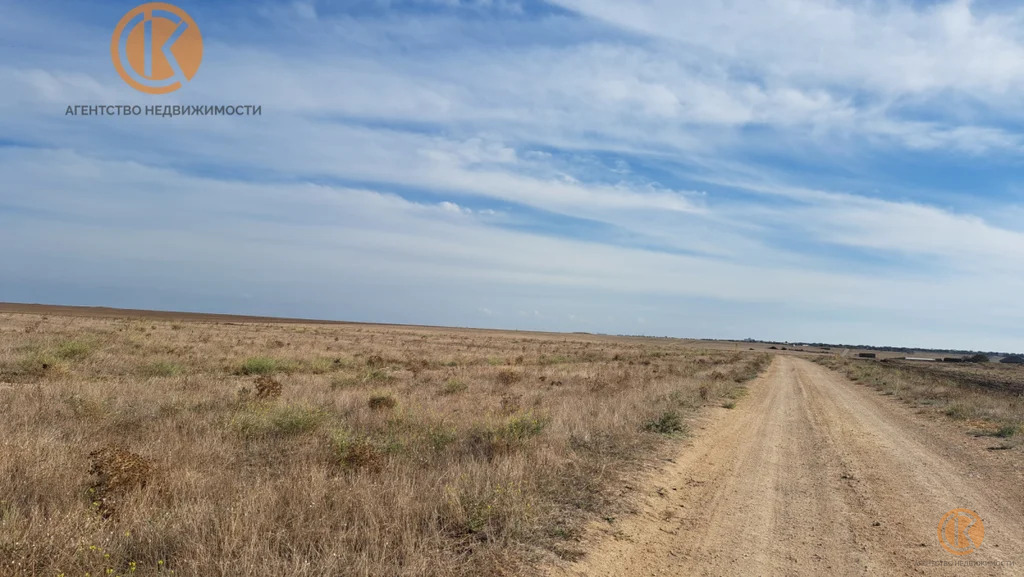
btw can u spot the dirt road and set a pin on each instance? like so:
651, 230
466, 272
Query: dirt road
812, 474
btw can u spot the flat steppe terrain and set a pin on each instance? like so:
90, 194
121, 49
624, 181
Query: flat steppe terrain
144, 444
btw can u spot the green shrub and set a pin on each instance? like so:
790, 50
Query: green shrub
357, 453
39, 363
73, 350
322, 365
277, 421
523, 427
161, 369
440, 437
1006, 431
506, 436
959, 411
669, 422
453, 387
261, 366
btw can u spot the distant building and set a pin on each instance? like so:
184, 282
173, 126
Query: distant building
922, 359
866, 355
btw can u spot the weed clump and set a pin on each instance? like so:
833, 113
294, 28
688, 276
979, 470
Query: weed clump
507, 377
118, 472
358, 453
267, 388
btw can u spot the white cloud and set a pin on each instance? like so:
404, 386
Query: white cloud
581, 144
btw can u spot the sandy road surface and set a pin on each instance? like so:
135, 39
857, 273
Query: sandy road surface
814, 475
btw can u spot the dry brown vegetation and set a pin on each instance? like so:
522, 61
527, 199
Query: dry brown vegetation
142, 446
989, 398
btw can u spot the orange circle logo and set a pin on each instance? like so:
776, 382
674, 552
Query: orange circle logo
156, 48
961, 531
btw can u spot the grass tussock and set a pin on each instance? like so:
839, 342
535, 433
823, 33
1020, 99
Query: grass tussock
327, 450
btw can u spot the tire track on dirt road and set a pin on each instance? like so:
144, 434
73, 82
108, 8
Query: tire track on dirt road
814, 475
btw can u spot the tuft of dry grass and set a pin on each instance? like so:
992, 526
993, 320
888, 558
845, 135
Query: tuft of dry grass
391, 451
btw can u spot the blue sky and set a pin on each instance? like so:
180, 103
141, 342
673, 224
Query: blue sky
841, 171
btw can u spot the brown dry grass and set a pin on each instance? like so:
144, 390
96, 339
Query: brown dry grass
989, 398
147, 446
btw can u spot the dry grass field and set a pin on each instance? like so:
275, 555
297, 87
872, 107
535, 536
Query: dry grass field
989, 397
135, 446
